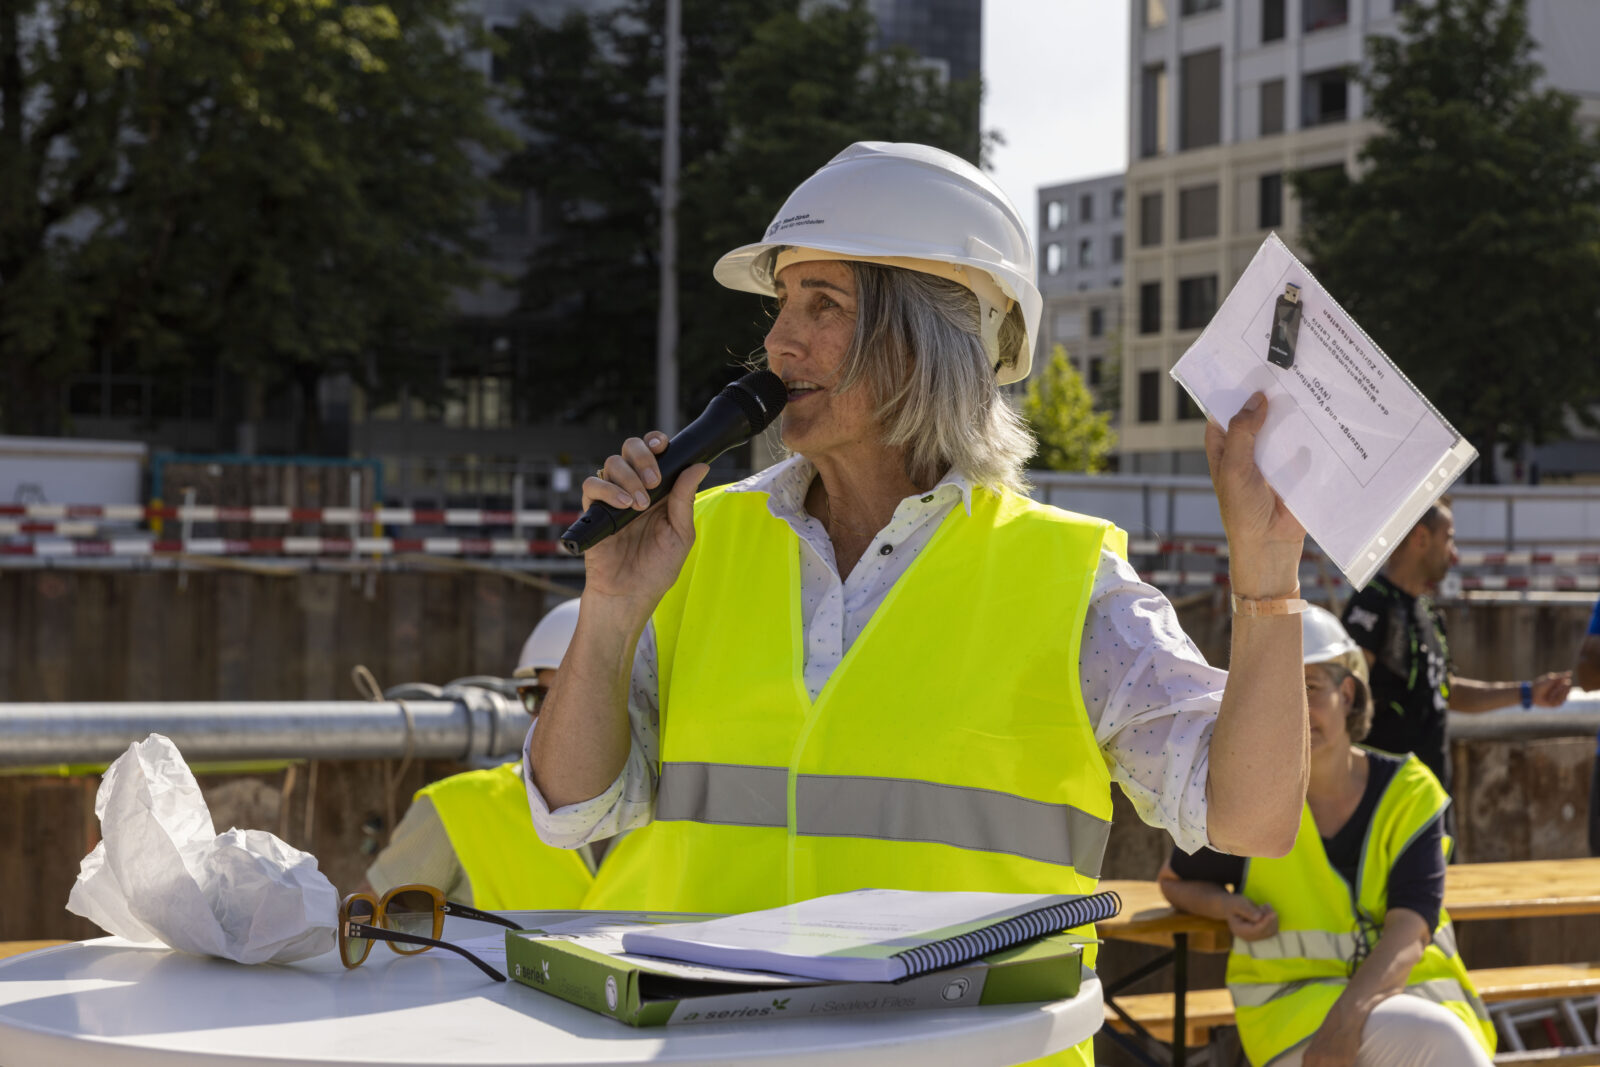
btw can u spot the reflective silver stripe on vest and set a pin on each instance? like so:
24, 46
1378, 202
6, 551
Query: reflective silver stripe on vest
900, 809
1438, 990
1255, 994
1444, 939
728, 794
1299, 945
891, 809
1321, 945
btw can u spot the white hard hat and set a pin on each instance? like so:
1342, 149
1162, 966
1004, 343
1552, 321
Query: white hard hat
548, 643
1323, 638
899, 204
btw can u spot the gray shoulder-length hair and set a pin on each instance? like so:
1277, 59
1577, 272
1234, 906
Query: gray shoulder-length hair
918, 350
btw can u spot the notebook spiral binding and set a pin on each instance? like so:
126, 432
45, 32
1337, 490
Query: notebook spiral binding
1012, 931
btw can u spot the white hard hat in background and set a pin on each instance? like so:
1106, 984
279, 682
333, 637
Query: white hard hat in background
1323, 640
892, 203
548, 643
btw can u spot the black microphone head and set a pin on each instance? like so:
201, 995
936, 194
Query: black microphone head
760, 395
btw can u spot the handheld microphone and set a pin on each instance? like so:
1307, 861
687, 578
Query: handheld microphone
743, 409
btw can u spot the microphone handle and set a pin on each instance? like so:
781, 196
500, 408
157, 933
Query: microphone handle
720, 427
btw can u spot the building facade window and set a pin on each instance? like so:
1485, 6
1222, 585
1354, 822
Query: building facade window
1324, 98
1271, 107
1197, 301
1096, 371
1116, 248
1272, 20
1052, 259
1097, 322
1086, 207
1195, 7
1149, 396
1153, 110
1149, 220
1197, 212
1270, 206
1155, 13
1116, 203
1325, 14
1054, 215
1150, 307
1185, 408
1200, 100
1086, 252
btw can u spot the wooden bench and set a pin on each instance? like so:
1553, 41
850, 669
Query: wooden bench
1209, 1008
17, 948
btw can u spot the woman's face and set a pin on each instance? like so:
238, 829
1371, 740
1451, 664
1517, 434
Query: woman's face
1329, 704
806, 347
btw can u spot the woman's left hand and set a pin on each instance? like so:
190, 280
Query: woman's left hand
1333, 1045
1265, 541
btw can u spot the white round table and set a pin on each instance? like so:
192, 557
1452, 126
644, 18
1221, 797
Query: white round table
113, 1003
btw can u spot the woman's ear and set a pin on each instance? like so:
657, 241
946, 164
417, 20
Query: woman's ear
1347, 690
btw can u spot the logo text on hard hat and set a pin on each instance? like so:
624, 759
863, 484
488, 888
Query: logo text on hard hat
794, 220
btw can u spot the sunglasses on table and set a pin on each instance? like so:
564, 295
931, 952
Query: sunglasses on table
409, 918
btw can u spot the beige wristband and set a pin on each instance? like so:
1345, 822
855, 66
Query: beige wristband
1265, 606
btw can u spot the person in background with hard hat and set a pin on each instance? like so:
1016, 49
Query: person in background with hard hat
470, 834
878, 662
1329, 937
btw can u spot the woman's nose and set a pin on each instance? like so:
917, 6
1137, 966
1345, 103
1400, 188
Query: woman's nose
780, 340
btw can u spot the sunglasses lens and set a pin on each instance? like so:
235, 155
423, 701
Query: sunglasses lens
411, 911
355, 949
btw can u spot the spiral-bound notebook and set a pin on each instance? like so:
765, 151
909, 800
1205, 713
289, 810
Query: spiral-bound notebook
872, 935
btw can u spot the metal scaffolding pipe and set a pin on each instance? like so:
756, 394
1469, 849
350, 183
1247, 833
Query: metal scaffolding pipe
478, 723
1578, 717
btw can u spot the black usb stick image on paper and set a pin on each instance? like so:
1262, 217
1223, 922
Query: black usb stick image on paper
1285, 328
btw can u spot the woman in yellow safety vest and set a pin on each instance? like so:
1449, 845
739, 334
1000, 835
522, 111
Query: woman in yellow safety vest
878, 662
1329, 937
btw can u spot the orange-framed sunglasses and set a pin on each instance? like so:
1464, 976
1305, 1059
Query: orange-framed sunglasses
409, 919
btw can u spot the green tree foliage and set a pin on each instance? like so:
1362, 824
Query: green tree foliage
768, 96
279, 188
1060, 409
1469, 245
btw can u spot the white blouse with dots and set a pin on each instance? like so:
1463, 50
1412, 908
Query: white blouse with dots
1152, 698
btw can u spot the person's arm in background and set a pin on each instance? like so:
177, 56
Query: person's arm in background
1381, 975
1246, 919
1587, 675
1547, 691
1260, 748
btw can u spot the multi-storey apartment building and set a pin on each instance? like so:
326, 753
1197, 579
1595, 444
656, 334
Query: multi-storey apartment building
1226, 97
948, 32
1081, 249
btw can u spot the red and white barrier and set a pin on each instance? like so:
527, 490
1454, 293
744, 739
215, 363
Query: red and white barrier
131, 548
61, 513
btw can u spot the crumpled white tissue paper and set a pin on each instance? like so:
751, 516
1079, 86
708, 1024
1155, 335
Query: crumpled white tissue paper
162, 873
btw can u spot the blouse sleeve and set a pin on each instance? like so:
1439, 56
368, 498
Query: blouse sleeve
630, 801
1152, 700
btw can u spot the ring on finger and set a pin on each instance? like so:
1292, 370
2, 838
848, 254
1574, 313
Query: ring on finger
601, 474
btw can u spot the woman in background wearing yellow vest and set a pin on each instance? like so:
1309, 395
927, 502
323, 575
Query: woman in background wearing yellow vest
878, 662
1326, 937
469, 834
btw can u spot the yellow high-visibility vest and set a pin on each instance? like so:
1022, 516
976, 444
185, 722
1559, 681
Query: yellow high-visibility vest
485, 814
1283, 986
949, 750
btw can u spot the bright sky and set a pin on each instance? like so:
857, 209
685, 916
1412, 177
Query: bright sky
1056, 80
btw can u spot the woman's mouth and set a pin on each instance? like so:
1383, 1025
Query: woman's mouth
801, 388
